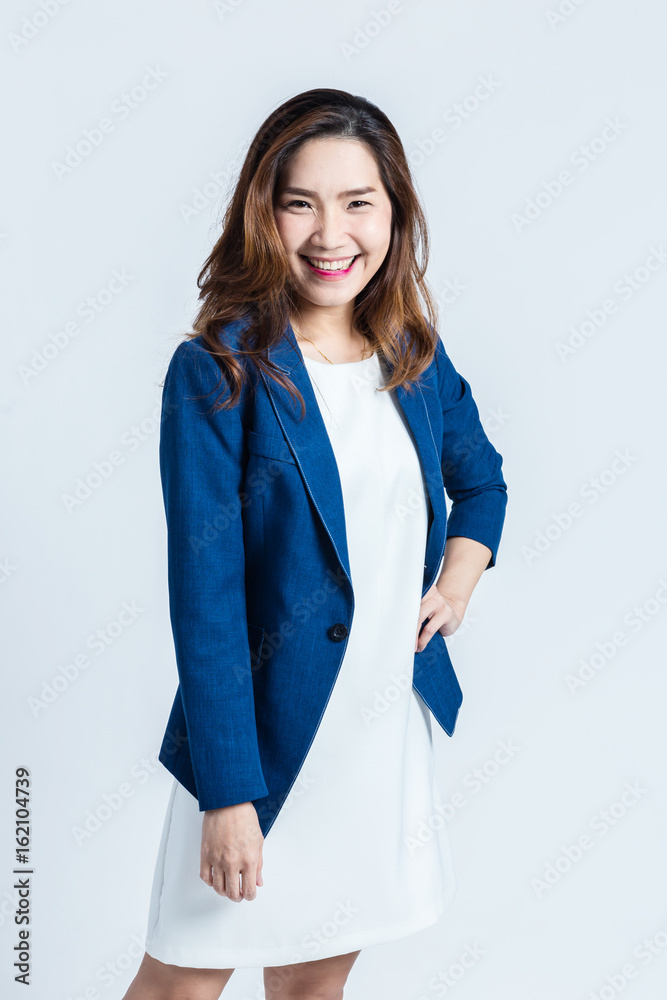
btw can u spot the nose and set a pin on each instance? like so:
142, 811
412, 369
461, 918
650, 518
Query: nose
329, 231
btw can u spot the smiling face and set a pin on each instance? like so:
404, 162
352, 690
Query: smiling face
333, 215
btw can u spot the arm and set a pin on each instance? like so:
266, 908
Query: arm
471, 472
201, 467
465, 561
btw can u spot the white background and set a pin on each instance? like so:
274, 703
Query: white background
147, 202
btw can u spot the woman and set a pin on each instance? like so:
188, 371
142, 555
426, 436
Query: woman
311, 425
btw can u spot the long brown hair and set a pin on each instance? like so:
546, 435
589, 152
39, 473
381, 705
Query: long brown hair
247, 277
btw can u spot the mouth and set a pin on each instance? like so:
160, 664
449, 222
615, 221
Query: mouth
330, 268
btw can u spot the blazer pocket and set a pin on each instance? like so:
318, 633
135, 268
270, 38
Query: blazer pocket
269, 446
255, 642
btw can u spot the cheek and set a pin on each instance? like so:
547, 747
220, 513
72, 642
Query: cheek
374, 233
290, 230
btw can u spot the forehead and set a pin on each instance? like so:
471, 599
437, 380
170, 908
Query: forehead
329, 164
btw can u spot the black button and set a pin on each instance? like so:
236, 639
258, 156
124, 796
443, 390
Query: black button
337, 632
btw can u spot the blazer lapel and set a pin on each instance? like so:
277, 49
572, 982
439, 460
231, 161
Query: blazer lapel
311, 447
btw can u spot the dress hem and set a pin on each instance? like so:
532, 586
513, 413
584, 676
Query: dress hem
251, 958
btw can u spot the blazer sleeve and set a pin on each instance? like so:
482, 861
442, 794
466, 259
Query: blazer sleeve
471, 466
201, 469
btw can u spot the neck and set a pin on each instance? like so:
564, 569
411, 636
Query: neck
330, 324
328, 331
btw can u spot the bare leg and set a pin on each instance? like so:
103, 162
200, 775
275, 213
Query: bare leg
322, 979
156, 981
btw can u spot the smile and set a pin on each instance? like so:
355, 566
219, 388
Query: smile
330, 267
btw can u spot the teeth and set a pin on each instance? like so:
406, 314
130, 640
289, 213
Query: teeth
329, 265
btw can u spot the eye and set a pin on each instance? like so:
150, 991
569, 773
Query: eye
289, 204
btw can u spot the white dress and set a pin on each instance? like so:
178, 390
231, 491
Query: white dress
359, 853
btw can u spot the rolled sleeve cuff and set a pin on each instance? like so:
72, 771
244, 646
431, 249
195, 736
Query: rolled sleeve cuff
480, 517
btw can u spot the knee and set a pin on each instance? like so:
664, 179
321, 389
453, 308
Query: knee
321, 991
157, 981
301, 987
317, 980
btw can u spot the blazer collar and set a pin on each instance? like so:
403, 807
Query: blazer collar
311, 447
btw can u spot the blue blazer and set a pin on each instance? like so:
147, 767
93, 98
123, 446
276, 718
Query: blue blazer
260, 595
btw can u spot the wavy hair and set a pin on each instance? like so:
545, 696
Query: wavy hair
247, 276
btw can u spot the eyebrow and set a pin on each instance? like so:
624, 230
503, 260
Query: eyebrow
343, 194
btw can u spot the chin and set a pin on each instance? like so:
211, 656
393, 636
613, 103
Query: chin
335, 298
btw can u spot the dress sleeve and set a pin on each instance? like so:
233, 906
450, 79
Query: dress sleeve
201, 469
471, 466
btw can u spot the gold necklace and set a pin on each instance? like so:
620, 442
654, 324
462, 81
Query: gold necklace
322, 353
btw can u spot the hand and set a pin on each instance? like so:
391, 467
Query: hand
231, 845
444, 615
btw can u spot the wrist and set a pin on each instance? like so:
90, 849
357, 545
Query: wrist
458, 599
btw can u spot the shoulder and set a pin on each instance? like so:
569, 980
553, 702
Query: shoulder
192, 360
441, 371
192, 370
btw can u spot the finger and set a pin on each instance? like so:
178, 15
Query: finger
429, 606
219, 880
205, 873
248, 883
429, 603
421, 639
260, 862
233, 886
430, 628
